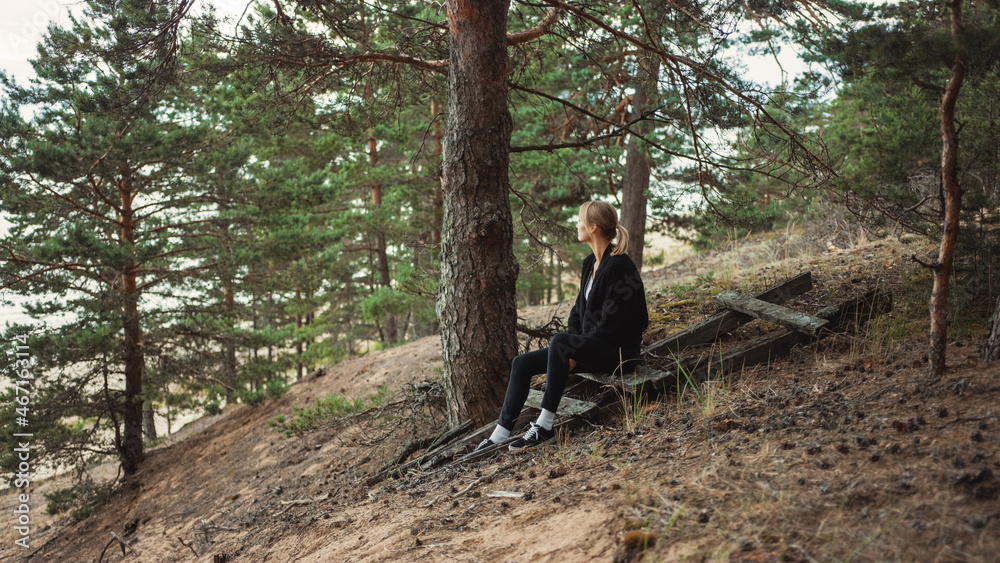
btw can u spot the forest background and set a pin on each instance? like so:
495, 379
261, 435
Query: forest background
215, 209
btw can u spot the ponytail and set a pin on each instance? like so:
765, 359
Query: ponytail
604, 216
621, 247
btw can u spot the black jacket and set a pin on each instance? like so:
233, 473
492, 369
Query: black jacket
616, 311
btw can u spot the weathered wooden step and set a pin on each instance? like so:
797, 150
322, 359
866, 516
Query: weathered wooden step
568, 406
842, 317
642, 375
789, 318
711, 328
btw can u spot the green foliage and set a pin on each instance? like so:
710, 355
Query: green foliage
213, 408
884, 125
250, 397
275, 389
384, 301
306, 418
80, 500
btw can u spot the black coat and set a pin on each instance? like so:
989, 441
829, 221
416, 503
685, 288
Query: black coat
616, 311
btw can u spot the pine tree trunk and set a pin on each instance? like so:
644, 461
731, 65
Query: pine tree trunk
381, 255
299, 366
991, 351
229, 342
635, 182
148, 421
952, 199
130, 453
477, 299
437, 202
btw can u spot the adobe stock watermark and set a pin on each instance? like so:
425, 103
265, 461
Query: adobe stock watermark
23, 378
26, 30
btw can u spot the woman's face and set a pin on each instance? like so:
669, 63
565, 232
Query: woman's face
584, 232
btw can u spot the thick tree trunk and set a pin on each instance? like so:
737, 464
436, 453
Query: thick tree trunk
381, 255
130, 450
952, 199
477, 299
635, 182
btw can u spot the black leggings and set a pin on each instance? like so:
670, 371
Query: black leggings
591, 355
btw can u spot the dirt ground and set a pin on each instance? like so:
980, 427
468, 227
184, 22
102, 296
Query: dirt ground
843, 451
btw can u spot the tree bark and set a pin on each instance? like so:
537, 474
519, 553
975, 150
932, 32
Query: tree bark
381, 255
148, 421
991, 351
437, 201
952, 198
229, 339
477, 300
130, 452
635, 182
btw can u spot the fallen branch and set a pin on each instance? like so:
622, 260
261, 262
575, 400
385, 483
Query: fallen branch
205, 527
431, 503
483, 478
187, 546
505, 494
307, 500
114, 538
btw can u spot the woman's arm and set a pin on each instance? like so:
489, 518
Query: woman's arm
616, 311
575, 323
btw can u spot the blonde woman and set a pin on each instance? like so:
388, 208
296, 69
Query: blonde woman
605, 328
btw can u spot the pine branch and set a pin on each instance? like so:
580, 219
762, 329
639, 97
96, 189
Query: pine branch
542, 28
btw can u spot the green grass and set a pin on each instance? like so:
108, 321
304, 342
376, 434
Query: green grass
306, 418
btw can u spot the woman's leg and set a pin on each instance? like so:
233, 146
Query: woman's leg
522, 369
589, 353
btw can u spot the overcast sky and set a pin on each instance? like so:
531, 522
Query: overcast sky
21, 26
23, 22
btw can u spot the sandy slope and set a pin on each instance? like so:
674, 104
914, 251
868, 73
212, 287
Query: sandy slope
840, 452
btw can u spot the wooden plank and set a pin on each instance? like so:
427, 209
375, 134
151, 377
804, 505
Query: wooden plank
790, 318
567, 405
723, 322
844, 316
630, 381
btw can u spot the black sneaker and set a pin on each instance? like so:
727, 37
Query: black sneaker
535, 436
483, 445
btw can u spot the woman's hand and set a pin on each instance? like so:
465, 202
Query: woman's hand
572, 364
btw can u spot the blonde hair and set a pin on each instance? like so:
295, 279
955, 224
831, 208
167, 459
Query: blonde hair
604, 216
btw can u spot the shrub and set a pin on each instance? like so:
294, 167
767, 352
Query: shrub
305, 418
81, 500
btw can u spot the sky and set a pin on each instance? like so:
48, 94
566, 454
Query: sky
22, 26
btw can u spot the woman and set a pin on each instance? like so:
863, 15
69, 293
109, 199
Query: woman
605, 329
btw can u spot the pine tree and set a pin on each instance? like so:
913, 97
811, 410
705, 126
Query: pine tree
99, 201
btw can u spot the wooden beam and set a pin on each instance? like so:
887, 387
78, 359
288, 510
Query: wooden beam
790, 318
567, 405
630, 382
723, 322
845, 316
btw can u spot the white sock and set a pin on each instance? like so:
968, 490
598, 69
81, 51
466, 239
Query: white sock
499, 434
546, 419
